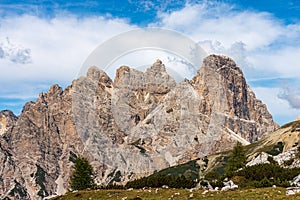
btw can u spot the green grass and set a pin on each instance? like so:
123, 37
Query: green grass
262, 193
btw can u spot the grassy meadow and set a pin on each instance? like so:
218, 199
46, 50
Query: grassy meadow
180, 194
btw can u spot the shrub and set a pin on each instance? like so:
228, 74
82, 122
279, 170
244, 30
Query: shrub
212, 175
265, 175
160, 180
276, 149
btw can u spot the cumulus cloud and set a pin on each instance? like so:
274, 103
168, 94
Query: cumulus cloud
255, 39
291, 96
217, 21
236, 51
14, 53
53, 49
278, 61
279, 107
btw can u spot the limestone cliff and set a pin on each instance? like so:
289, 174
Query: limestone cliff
7, 120
129, 127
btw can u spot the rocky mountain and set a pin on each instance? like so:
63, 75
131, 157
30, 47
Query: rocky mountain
130, 127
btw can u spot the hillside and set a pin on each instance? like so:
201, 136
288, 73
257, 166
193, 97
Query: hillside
282, 144
288, 134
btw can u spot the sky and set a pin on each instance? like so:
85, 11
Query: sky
46, 42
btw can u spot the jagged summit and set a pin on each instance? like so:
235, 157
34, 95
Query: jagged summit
98, 75
129, 127
218, 62
155, 79
157, 67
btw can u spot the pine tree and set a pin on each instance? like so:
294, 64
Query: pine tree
82, 176
237, 160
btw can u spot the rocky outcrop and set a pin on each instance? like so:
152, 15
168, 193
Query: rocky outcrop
288, 159
129, 127
7, 120
229, 185
262, 158
292, 190
296, 181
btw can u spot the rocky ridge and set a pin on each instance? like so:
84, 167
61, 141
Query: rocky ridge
7, 120
129, 127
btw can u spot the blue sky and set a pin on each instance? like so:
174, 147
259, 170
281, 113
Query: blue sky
46, 42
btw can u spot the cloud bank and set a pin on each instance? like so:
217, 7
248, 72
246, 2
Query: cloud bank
37, 51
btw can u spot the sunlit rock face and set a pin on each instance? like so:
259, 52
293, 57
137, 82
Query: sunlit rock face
129, 127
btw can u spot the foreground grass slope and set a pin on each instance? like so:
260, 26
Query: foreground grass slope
182, 194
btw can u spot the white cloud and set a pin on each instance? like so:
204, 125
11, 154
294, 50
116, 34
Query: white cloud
58, 46
216, 21
14, 53
282, 61
236, 51
279, 108
292, 96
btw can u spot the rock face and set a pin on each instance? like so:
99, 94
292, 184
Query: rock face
129, 127
225, 93
7, 120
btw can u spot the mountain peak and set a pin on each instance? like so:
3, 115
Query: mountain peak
222, 64
98, 75
157, 67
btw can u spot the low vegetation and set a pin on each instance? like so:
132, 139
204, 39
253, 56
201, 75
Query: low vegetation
179, 194
161, 180
181, 176
257, 176
237, 159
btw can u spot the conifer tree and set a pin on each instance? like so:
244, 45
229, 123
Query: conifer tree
237, 159
82, 176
